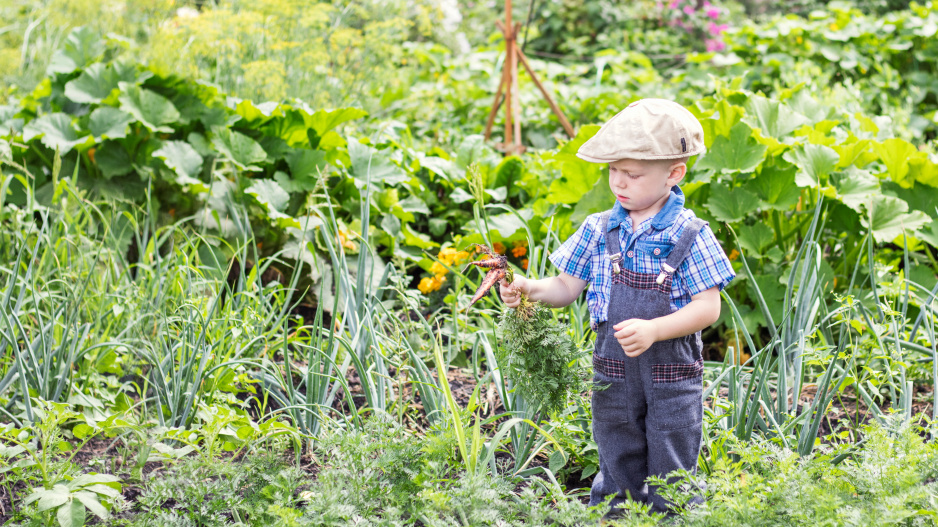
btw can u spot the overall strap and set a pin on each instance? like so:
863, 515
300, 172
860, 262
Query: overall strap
681, 249
613, 249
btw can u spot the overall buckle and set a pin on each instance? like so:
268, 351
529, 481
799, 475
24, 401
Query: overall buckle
615, 259
666, 270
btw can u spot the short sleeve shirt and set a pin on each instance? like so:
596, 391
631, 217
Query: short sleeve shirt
583, 255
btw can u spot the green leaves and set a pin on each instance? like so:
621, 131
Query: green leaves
371, 164
96, 83
739, 152
325, 120
72, 514
577, 176
82, 47
776, 187
772, 117
183, 160
74, 497
239, 149
895, 154
856, 188
888, 217
107, 122
150, 108
539, 356
731, 205
269, 194
306, 166
55, 130
815, 161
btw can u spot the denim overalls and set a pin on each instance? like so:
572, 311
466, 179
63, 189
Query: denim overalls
648, 420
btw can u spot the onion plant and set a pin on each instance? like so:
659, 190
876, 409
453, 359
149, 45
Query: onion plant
358, 308
307, 391
46, 317
764, 393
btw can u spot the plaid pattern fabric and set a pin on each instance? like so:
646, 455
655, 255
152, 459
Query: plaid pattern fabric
583, 255
641, 281
661, 373
609, 367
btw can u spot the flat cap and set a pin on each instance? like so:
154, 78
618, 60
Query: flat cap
646, 129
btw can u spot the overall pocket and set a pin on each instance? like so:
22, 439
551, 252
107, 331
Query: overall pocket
609, 401
677, 396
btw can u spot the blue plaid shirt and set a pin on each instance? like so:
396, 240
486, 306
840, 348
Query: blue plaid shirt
583, 255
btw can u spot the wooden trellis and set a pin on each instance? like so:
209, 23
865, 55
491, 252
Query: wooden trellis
508, 90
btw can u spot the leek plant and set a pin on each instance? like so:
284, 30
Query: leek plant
307, 391
358, 312
764, 393
46, 319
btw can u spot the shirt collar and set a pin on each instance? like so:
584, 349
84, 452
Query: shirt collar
662, 219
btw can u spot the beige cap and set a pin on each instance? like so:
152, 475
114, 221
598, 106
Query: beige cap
646, 129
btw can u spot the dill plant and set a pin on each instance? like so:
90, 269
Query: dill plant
540, 357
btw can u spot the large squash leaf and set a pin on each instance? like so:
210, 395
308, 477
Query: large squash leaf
55, 130
150, 108
815, 161
731, 205
774, 118
894, 154
738, 152
181, 158
376, 165
776, 187
239, 149
888, 217
109, 122
82, 47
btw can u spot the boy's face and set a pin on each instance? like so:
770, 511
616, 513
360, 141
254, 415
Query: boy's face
642, 187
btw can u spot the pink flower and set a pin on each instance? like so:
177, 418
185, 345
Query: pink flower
689, 10
716, 29
713, 13
673, 4
715, 45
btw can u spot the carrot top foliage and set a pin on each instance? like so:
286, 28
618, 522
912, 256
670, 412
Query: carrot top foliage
542, 360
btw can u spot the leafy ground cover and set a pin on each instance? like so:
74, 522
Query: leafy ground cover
232, 285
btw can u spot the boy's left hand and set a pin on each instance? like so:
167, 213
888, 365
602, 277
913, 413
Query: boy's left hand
636, 335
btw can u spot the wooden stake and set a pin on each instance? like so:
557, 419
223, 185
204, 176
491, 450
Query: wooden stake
553, 106
508, 92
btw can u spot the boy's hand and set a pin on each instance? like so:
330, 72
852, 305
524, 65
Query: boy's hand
511, 293
636, 335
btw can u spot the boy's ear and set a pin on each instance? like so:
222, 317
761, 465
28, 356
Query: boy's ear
677, 173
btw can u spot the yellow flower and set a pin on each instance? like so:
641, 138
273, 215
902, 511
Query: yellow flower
438, 269
426, 285
499, 248
448, 255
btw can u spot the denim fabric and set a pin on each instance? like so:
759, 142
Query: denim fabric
644, 248
643, 427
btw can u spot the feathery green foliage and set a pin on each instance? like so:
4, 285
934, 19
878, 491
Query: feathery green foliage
539, 355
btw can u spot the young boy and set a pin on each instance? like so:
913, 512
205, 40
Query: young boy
655, 273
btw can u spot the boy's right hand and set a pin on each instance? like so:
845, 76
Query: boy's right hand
511, 293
